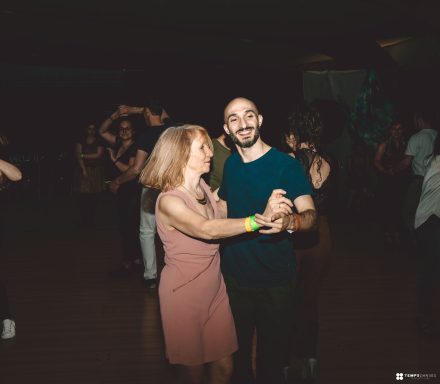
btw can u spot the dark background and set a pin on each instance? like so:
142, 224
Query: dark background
65, 64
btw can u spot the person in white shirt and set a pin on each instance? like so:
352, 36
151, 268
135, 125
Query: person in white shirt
418, 150
427, 225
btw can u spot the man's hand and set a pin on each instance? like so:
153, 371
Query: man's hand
114, 186
275, 224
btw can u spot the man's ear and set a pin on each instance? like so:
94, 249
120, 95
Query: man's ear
225, 127
260, 121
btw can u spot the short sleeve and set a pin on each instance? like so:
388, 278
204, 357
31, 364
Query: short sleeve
294, 180
143, 142
411, 148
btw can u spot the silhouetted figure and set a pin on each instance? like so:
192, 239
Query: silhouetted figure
312, 249
122, 154
156, 119
427, 225
10, 172
89, 174
418, 149
392, 181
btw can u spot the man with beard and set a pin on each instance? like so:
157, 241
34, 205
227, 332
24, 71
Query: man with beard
259, 267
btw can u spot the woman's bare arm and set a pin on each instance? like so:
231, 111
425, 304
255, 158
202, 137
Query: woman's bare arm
10, 171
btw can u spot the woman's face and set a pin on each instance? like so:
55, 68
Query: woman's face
200, 155
291, 141
396, 131
125, 130
91, 130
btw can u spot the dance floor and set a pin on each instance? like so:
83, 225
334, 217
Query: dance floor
77, 326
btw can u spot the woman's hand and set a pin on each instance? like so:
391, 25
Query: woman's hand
277, 223
84, 173
115, 115
111, 153
277, 203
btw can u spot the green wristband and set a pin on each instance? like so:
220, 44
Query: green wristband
254, 225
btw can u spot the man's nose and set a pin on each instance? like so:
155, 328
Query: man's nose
242, 123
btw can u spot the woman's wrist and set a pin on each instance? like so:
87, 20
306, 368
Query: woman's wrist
250, 224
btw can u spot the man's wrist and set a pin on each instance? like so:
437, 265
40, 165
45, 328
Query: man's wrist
294, 222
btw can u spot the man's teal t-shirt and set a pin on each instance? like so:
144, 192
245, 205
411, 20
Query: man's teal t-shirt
253, 259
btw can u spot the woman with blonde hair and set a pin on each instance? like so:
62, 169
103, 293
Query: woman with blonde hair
196, 316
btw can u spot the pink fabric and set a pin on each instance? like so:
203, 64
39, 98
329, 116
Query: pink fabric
196, 316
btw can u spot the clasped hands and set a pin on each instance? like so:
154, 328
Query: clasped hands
276, 216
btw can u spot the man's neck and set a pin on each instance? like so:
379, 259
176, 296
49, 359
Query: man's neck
253, 153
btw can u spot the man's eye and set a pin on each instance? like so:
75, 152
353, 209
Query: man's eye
233, 120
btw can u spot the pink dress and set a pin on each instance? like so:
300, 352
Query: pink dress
196, 317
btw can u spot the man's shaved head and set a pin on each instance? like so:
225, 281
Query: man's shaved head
238, 102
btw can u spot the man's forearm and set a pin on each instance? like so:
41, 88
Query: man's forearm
304, 221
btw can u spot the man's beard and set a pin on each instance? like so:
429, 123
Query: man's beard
248, 142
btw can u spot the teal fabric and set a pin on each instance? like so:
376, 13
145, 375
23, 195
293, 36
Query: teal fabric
253, 259
373, 112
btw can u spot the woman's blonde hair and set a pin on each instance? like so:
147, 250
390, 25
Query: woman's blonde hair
165, 166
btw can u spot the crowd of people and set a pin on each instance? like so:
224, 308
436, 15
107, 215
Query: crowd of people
244, 227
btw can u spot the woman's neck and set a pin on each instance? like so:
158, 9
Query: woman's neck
192, 181
126, 142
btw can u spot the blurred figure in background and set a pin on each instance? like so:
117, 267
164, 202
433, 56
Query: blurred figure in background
10, 172
418, 149
391, 181
122, 154
221, 151
427, 225
88, 180
312, 249
156, 120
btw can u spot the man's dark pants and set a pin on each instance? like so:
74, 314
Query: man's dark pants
268, 311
